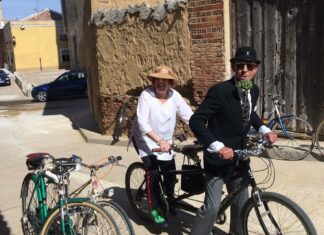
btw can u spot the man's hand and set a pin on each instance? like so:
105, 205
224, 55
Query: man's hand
226, 153
271, 137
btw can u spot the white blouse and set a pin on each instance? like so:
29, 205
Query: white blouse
160, 117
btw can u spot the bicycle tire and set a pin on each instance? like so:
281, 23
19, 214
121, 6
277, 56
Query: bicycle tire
286, 214
320, 138
119, 215
30, 206
30, 220
120, 117
136, 190
82, 218
296, 142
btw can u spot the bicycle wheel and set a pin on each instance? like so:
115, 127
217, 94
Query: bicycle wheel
80, 218
30, 220
136, 190
119, 215
320, 137
279, 214
120, 117
295, 138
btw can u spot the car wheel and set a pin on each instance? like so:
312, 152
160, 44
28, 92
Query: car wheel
41, 96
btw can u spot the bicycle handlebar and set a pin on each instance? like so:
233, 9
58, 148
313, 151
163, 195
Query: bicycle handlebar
244, 154
111, 160
186, 149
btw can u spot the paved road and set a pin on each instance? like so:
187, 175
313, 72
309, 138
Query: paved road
26, 127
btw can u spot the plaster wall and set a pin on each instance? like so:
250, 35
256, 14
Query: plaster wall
128, 51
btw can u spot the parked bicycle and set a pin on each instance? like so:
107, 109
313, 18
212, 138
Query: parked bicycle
102, 197
320, 137
61, 215
296, 136
263, 213
123, 117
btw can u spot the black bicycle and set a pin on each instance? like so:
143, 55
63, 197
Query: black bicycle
124, 117
263, 213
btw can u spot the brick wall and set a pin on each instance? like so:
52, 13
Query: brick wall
206, 25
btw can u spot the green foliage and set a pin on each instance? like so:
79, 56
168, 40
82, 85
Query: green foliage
245, 84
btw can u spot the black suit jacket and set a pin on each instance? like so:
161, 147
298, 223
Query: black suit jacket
219, 118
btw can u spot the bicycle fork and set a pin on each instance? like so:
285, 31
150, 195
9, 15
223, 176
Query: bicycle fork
259, 205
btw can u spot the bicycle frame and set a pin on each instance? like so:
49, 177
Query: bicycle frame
180, 197
40, 186
249, 180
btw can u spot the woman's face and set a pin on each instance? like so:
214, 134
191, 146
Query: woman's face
161, 87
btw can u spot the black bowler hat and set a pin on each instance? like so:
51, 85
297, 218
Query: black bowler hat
245, 54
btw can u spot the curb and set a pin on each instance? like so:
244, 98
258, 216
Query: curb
24, 86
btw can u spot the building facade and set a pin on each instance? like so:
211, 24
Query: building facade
36, 43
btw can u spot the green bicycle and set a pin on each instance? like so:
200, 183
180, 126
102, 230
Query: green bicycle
45, 212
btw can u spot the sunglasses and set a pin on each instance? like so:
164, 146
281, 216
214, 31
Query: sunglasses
249, 66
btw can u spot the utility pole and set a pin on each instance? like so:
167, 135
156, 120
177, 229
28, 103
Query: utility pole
1, 14
36, 9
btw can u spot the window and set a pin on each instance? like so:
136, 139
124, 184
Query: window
65, 55
63, 35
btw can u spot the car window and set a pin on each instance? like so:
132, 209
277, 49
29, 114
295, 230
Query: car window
63, 77
81, 75
71, 76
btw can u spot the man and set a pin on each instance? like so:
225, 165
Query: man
221, 123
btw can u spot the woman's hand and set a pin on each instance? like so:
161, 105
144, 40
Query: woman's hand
164, 145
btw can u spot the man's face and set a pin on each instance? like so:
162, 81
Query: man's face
244, 70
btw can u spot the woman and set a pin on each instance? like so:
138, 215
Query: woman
155, 122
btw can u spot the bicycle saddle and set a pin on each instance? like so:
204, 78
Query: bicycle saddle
191, 148
35, 160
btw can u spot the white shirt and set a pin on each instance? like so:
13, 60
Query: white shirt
217, 145
160, 117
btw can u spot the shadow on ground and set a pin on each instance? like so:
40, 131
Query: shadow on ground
76, 109
178, 225
4, 230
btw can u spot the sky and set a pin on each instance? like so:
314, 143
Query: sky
18, 9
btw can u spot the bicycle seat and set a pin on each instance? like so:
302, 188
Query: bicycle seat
35, 160
191, 148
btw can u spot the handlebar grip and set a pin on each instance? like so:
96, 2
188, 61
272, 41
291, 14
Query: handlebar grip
156, 150
118, 158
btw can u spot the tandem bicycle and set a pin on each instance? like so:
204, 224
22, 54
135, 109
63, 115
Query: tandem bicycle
263, 213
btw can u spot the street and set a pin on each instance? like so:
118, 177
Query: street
27, 126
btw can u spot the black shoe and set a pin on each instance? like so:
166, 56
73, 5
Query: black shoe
173, 211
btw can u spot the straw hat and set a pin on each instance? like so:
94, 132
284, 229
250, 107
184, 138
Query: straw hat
163, 72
